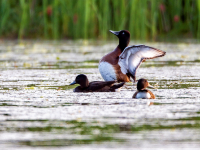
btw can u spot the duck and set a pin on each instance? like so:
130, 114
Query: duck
95, 86
121, 64
142, 92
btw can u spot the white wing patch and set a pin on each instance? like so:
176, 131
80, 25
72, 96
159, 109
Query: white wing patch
132, 56
107, 71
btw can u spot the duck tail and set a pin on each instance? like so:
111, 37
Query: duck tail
116, 86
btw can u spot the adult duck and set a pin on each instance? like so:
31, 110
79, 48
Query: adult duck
142, 92
121, 64
95, 86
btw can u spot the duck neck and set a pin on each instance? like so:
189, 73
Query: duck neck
143, 90
85, 84
123, 44
122, 47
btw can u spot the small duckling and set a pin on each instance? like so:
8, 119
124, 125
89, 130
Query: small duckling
95, 86
142, 92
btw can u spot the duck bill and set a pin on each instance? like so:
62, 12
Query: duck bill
149, 86
115, 32
74, 82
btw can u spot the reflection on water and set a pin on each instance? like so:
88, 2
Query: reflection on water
39, 110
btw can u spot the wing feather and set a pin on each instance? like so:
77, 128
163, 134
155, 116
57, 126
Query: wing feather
132, 56
98, 85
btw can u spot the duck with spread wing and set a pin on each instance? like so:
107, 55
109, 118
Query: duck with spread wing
121, 64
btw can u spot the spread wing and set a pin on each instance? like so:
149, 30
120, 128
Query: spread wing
132, 56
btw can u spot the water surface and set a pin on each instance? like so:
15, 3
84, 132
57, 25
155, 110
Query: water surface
38, 110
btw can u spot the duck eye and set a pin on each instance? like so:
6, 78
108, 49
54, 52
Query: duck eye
122, 32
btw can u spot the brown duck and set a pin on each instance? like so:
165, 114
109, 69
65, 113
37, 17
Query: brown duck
142, 92
121, 64
95, 86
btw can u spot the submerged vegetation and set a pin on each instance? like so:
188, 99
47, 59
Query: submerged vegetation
86, 19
